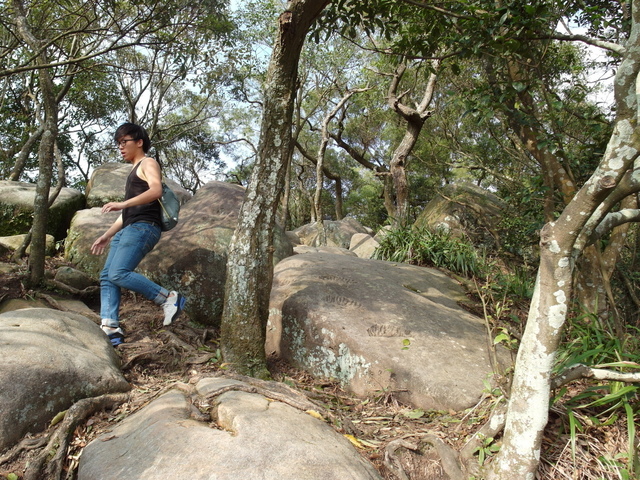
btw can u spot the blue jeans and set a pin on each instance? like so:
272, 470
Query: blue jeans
128, 248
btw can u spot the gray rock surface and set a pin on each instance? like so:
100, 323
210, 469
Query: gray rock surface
336, 233
49, 360
253, 438
107, 185
74, 278
363, 245
300, 249
16, 209
87, 225
379, 326
14, 242
465, 210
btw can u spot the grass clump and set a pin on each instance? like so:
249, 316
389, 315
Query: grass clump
431, 248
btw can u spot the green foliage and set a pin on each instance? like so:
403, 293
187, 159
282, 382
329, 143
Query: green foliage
487, 450
437, 248
590, 341
363, 202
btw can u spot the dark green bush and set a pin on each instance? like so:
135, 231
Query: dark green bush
436, 248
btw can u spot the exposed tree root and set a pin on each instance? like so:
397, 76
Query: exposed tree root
92, 290
57, 306
25, 445
451, 463
149, 355
173, 339
273, 390
457, 465
49, 462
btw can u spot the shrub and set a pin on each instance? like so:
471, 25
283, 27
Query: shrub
437, 248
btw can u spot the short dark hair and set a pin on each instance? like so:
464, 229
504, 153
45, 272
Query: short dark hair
136, 132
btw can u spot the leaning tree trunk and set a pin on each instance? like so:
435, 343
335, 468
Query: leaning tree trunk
250, 265
561, 244
45, 150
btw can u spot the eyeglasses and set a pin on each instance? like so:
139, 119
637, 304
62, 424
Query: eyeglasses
123, 142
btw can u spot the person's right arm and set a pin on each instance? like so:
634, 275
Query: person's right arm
101, 243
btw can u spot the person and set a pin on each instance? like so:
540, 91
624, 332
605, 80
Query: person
133, 235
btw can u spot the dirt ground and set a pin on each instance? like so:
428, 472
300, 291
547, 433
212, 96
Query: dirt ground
380, 427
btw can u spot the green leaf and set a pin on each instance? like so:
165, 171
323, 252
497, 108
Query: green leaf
519, 86
414, 414
500, 338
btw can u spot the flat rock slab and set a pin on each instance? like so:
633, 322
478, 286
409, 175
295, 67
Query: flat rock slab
48, 361
253, 438
75, 306
379, 326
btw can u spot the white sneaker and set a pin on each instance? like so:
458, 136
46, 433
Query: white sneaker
173, 306
115, 334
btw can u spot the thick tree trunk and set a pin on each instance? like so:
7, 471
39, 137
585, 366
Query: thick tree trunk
45, 150
250, 265
562, 242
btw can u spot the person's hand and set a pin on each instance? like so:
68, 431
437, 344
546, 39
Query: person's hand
113, 207
100, 245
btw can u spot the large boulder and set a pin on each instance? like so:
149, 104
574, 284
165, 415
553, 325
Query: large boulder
190, 258
465, 210
300, 249
48, 361
363, 245
107, 184
87, 225
379, 326
335, 233
254, 438
12, 243
16, 209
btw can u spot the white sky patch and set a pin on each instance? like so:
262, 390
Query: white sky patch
601, 78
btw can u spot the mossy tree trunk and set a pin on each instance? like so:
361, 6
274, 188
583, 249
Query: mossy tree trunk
250, 264
46, 148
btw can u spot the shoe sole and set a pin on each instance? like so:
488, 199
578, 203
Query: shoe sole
180, 303
116, 339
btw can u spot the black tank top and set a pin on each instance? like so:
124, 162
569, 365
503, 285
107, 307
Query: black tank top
149, 212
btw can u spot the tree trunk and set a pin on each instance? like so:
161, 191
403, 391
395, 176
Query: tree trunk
45, 150
23, 155
250, 265
561, 244
415, 118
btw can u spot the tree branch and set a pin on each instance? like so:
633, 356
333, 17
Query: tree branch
580, 370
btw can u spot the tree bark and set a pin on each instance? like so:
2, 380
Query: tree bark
560, 248
337, 179
250, 264
415, 118
45, 150
379, 171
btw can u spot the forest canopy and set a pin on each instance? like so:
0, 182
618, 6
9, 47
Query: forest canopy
328, 109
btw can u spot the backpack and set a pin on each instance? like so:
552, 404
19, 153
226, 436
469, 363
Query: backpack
170, 208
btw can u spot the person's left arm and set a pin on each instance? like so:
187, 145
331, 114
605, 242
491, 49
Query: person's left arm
150, 172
